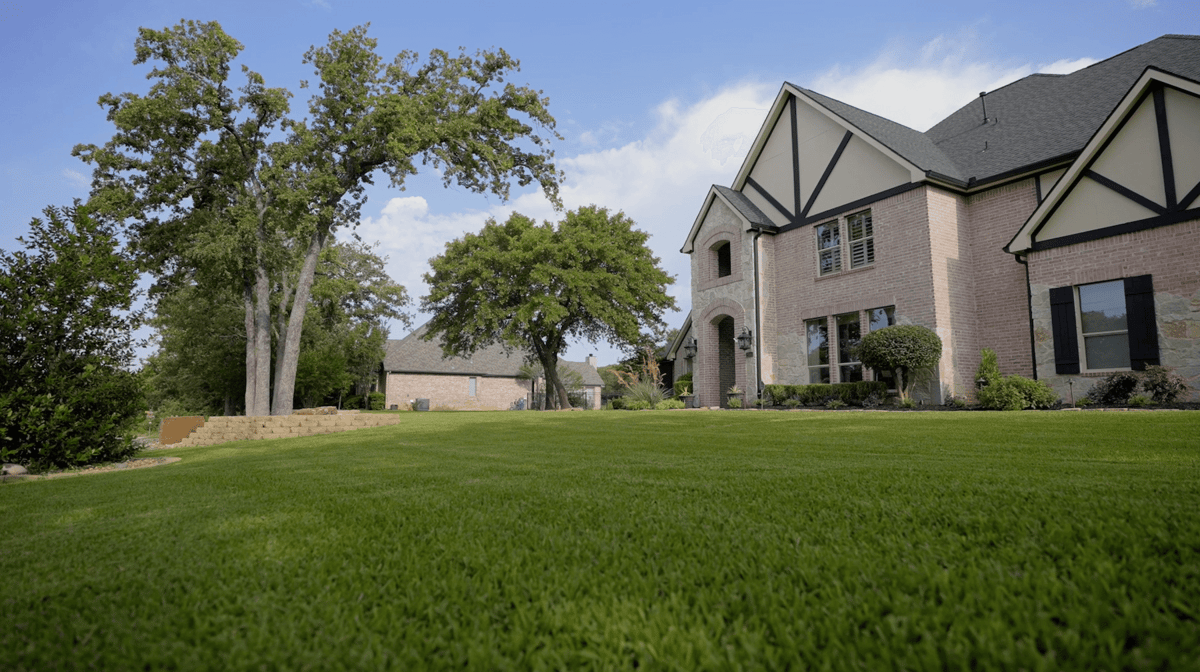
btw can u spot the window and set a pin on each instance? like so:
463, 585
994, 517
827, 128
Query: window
1104, 326
849, 334
878, 318
829, 248
724, 260
862, 239
818, 350
471, 386
1103, 329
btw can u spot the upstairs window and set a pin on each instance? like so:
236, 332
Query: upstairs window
724, 260
829, 248
862, 239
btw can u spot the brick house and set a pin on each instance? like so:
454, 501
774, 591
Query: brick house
1055, 220
414, 368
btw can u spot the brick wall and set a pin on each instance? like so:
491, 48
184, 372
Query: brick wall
1169, 254
451, 391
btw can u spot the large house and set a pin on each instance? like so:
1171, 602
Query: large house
491, 379
1055, 220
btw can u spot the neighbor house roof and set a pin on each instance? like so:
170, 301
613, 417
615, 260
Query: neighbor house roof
413, 354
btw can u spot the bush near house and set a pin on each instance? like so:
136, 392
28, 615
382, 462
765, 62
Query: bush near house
906, 349
1115, 388
819, 394
376, 401
683, 385
1164, 385
1016, 393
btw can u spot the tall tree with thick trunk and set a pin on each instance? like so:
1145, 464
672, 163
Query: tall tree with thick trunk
192, 166
535, 287
370, 116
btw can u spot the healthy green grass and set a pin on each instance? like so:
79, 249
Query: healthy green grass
656, 540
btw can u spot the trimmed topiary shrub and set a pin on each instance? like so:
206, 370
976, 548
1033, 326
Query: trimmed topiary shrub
903, 348
1115, 388
1164, 385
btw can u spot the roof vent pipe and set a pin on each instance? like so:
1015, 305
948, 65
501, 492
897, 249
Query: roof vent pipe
984, 103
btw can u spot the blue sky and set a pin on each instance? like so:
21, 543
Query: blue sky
655, 100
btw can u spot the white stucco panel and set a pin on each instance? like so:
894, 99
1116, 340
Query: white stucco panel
1133, 159
1183, 122
861, 171
1091, 206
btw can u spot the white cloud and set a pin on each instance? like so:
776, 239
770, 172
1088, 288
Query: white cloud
920, 89
77, 179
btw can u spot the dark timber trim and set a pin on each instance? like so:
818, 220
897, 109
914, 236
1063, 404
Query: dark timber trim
1164, 145
1126, 192
1129, 227
1191, 196
853, 205
825, 176
770, 199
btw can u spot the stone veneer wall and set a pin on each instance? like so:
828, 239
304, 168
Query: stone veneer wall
221, 429
1169, 254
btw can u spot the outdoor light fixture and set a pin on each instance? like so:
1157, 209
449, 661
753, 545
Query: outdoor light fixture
689, 348
745, 339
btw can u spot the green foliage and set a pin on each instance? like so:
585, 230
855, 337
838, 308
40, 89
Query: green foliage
734, 402
352, 402
612, 385
835, 404
1084, 402
645, 391
1163, 384
1140, 401
956, 401
636, 405
683, 385
818, 394
907, 403
66, 319
668, 405
904, 348
1015, 393
792, 402
1115, 388
850, 520
989, 369
537, 287
376, 400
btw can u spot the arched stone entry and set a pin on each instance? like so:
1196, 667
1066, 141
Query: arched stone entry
727, 358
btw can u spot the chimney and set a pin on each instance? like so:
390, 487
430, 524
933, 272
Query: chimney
591, 360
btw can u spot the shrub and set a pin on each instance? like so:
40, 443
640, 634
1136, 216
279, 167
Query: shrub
376, 400
646, 391
734, 402
1015, 393
352, 402
989, 370
776, 393
683, 386
956, 402
1115, 388
616, 404
872, 400
903, 348
1163, 384
1084, 402
791, 403
835, 403
636, 405
1140, 401
907, 403
668, 405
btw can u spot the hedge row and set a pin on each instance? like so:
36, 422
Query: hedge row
814, 395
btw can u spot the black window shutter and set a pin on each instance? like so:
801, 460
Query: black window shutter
1062, 321
1143, 328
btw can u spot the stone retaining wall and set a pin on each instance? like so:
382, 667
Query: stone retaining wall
220, 429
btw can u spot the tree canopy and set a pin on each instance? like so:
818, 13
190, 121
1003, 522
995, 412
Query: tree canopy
903, 348
535, 287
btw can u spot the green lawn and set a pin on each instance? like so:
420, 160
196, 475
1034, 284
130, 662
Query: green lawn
655, 540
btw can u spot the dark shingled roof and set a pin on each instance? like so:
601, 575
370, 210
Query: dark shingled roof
413, 354
913, 145
745, 206
1043, 117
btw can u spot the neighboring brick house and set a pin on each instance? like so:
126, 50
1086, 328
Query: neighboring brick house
414, 368
840, 222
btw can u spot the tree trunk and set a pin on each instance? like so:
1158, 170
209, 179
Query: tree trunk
553, 384
281, 329
262, 342
285, 383
251, 368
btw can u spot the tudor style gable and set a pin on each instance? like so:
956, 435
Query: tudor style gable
1141, 170
811, 161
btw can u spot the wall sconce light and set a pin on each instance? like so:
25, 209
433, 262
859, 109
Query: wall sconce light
689, 348
745, 340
